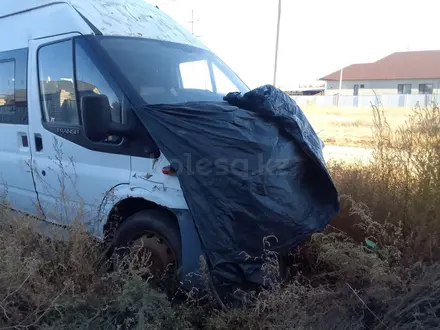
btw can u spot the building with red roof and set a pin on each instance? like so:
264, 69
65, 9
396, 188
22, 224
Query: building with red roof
412, 72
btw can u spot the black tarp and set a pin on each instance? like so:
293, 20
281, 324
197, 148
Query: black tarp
250, 167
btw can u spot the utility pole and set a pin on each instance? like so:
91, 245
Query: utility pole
340, 81
192, 21
340, 85
276, 45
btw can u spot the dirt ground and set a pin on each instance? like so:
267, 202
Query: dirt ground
349, 127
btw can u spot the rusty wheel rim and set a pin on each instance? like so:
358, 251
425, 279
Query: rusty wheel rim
154, 253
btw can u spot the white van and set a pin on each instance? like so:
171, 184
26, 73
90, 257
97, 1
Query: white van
57, 161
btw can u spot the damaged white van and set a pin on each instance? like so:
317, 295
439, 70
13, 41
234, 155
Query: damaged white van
58, 161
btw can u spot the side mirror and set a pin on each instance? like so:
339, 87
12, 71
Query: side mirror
97, 119
96, 116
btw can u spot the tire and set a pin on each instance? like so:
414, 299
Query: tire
143, 224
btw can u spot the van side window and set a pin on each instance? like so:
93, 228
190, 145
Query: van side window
7, 87
58, 97
13, 82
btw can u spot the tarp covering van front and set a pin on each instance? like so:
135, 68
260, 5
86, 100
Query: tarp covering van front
250, 168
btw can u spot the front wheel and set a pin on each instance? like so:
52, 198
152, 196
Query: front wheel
150, 240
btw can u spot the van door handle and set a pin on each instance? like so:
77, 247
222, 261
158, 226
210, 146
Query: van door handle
38, 142
24, 140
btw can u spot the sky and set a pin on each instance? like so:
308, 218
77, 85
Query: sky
316, 37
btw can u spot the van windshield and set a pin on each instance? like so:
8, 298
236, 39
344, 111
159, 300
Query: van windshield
166, 73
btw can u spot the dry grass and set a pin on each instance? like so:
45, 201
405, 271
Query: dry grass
63, 284
375, 267
351, 127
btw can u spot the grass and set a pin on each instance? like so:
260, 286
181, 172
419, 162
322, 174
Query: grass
351, 127
376, 266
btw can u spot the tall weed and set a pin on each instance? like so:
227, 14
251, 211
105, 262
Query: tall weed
401, 185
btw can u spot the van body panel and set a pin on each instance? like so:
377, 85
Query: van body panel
15, 7
150, 191
69, 177
144, 172
76, 182
16, 185
34, 24
15, 177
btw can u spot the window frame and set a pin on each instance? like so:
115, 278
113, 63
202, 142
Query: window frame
107, 77
74, 132
43, 115
403, 89
356, 90
425, 85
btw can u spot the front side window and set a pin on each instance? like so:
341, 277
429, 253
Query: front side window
168, 73
66, 74
57, 88
89, 81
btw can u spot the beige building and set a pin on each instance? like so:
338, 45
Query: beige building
416, 73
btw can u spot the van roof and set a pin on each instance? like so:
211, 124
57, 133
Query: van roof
124, 17
9, 7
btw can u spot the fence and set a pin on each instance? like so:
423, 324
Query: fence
362, 101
